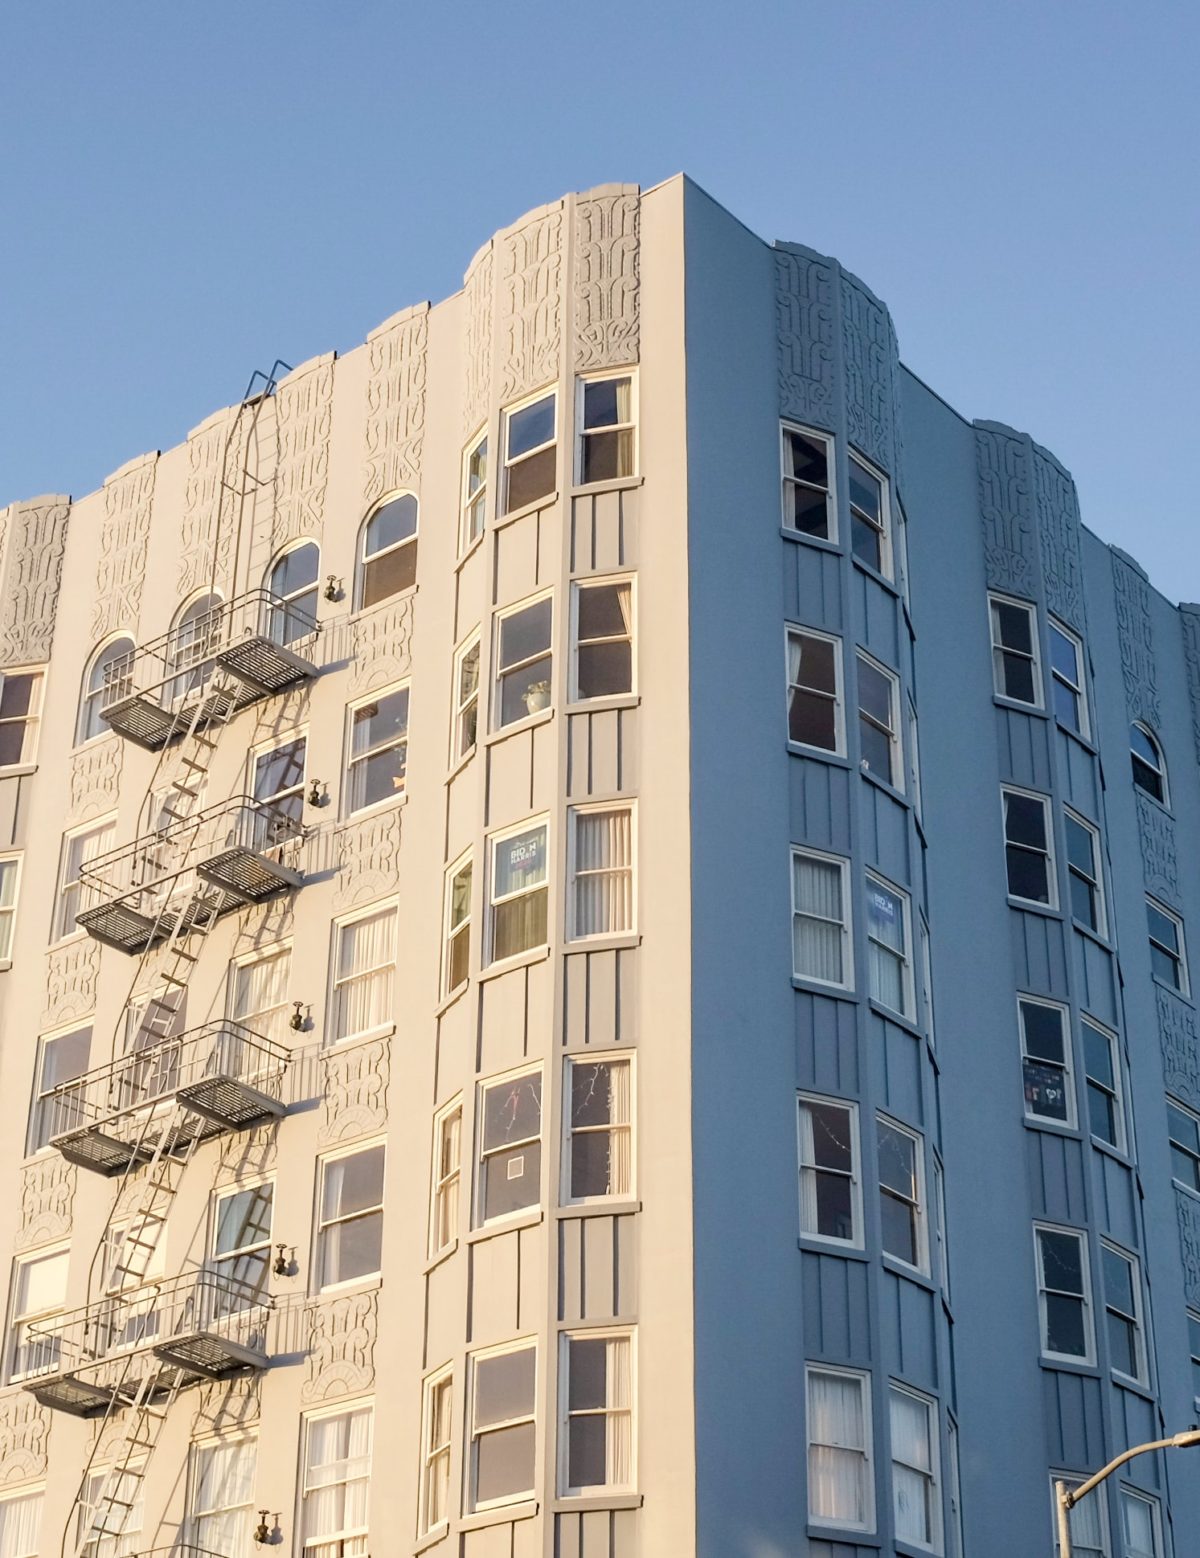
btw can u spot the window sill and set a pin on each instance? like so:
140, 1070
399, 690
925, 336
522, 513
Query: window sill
615, 700
567, 1502
599, 1206
853, 1535
524, 1510
361, 613
518, 960
435, 1534
544, 502
1089, 934
338, 1045
585, 489
614, 942
452, 999
1033, 1122
1135, 1387
885, 785
459, 764
365, 813
369, 1284
1151, 800
514, 1223
1085, 742
68, 941
818, 754
1018, 707
899, 1268
1028, 906
881, 579
897, 1019
18, 771
526, 722
1078, 1366
819, 987
810, 1244
435, 1261
819, 542
1180, 995
5, 965
465, 557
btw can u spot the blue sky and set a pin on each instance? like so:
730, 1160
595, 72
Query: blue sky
190, 191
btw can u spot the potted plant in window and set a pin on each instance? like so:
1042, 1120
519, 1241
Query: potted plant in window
536, 696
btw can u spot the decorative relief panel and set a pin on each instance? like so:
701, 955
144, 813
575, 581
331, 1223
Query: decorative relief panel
607, 303
381, 644
1156, 834
477, 338
531, 304
124, 538
71, 982
24, 1438
1004, 505
1180, 1048
95, 775
395, 424
1189, 620
1058, 533
303, 417
30, 579
1135, 630
215, 453
341, 1359
355, 1094
368, 859
47, 1194
805, 289
868, 346
1188, 1209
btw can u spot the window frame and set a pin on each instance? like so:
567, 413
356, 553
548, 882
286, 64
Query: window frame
605, 1333
593, 582
505, 464
280, 604
932, 1476
529, 825
838, 697
89, 695
277, 743
500, 671
8, 911
1075, 872
16, 1319
441, 1184
999, 649
63, 886
482, 1153
322, 1224
1135, 1321
307, 1419
630, 871
1136, 759
906, 959
919, 1206
1087, 1298
19, 1495
431, 1453
460, 751
895, 779
455, 930
846, 923
1068, 1062
252, 1020
90, 1543
1187, 1150
361, 560
1130, 1495
608, 1057
469, 500
1077, 690
472, 1434
31, 719
351, 759
225, 1263
1116, 1093
786, 426
1049, 853
196, 1452
866, 1453
606, 376
855, 1175
886, 568
1097, 1499
1179, 956
1192, 1320
337, 982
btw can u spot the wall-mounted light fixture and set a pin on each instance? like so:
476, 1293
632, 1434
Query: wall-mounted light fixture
315, 795
296, 1020
262, 1531
284, 1263
333, 588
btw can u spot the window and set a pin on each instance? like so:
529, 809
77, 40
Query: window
474, 494
830, 1188
1066, 680
1168, 959
807, 490
840, 1484
20, 708
350, 1217
888, 938
869, 539
108, 678
292, 581
466, 699
1140, 1525
20, 1525
1046, 1061
595, 1414
814, 691
606, 429
336, 1484
39, 1292
258, 994
278, 781
1193, 1325
364, 971
1123, 1311
62, 1057
1183, 1129
388, 551
241, 1244
503, 1425
378, 750
1063, 1293
603, 639
111, 1513
598, 1121
447, 1175
523, 661
1149, 765
1028, 850
601, 870
510, 1145
1084, 876
878, 731
821, 947
518, 892
10, 875
901, 1194
1088, 1521
456, 956
530, 454
916, 1500
1102, 1066
78, 850
437, 1412
194, 639
1016, 670
222, 1498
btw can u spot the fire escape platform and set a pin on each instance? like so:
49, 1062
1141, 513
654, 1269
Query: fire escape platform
152, 724
244, 876
262, 666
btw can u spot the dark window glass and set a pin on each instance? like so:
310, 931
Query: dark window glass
1046, 1074
1026, 848
1147, 764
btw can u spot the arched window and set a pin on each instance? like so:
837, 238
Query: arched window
387, 559
109, 674
193, 639
1149, 765
293, 581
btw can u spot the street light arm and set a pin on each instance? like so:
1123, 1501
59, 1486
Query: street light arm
1181, 1441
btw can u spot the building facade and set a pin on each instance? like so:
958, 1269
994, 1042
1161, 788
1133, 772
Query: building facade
594, 950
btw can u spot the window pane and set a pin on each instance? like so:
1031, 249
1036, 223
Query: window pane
525, 634
512, 1111
874, 693
352, 1249
1025, 820
388, 526
504, 1386
808, 511
807, 458
504, 1463
519, 862
531, 426
1162, 928
1066, 1330
388, 574
1062, 1261
297, 570
607, 456
533, 478
866, 492
353, 1183
587, 1461
243, 1219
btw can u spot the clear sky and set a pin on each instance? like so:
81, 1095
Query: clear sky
190, 190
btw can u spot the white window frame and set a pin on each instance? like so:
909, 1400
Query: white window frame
90, 695
360, 550
925, 967
470, 500
932, 1475
1078, 689
17, 1320
349, 810
856, 1240
1000, 649
500, 671
8, 911
1160, 768
865, 1451
471, 1435
338, 983
919, 1206
592, 809
787, 426
1068, 1061
1097, 882
1192, 1317
908, 1011
1087, 1297
41, 1096
225, 1263
1116, 1092
482, 1153
20, 1495
846, 923
602, 376
887, 560
599, 581
453, 931
623, 1333
529, 825
914, 756
1097, 1499
442, 1185
1184, 986
110, 1543
435, 1455
59, 930
1136, 1320
199, 1449
32, 720
461, 750
1136, 1496
343, 1537
322, 1224
1050, 854
896, 778
609, 1057
1174, 1144
277, 1019
954, 1489
505, 465
794, 629
279, 607
264, 749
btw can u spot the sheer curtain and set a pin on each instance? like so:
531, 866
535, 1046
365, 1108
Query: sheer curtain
114, 1531
224, 1492
603, 872
366, 955
1087, 1527
1137, 1516
817, 920
837, 1482
808, 1173
912, 1469
337, 1482
618, 1402
260, 996
621, 1140
20, 1521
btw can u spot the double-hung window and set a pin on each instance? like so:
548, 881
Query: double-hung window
530, 452
38, 1293
377, 755
510, 1146
1016, 664
1102, 1066
598, 1127
879, 721
830, 1170
364, 970
519, 887
840, 1480
1046, 1061
474, 494
1084, 873
1183, 1129
437, 1413
1064, 1294
110, 1514
1149, 765
602, 639
503, 1425
524, 661
456, 954
241, 1244
808, 506
821, 947
601, 871
10, 875
258, 990
278, 782
595, 1417
1088, 1521
466, 699
1193, 1326
446, 1177
916, 1497
335, 1484
814, 691
870, 523
889, 940
1168, 959
222, 1495
20, 712
1123, 1312
387, 559
108, 679
1141, 1525
1067, 687
291, 606
1029, 848
62, 1058
350, 1216
902, 1194
20, 1524
78, 850
607, 429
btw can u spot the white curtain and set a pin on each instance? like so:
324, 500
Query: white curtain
1138, 1519
260, 995
115, 1531
366, 954
817, 921
837, 1484
912, 1468
1087, 1527
603, 873
223, 1495
20, 1522
808, 1173
621, 1141
339, 1469
618, 1401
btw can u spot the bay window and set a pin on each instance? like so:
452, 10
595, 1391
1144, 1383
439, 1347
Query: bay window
466, 699
456, 951
814, 690
437, 1412
1141, 1525
602, 639
1046, 1061
446, 1177
474, 494
878, 721
1123, 1312
916, 1497
524, 661
510, 1146
870, 522
20, 713
1016, 663
1085, 873
10, 875
830, 1180
598, 1125
808, 506
902, 1194
889, 938
530, 451
821, 947
1029, 848
503, 1425
596, 1390
1102, 1066
518, 887
1067, 687
601, 871
607, 428
1064, 1293
840, 1480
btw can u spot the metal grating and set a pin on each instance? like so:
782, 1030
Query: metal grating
265, 665
93, 1149
247, 875
203, 1352
143, 722
65, 1393
230, 1104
